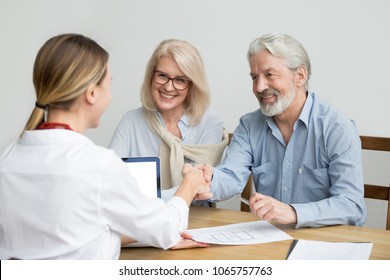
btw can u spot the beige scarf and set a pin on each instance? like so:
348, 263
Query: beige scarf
173, 151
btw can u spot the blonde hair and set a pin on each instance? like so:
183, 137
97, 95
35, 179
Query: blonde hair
190, 63
64, 67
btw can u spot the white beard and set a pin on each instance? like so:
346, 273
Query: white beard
280, 105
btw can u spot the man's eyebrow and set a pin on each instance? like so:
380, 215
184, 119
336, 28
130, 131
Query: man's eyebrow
271, 69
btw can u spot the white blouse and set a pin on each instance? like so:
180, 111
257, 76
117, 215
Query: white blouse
63, 197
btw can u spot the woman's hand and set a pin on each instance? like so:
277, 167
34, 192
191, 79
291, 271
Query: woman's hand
187, 242
125, 240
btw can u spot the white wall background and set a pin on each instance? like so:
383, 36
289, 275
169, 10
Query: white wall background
348, 42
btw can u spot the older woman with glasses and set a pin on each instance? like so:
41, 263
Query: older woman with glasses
175, 121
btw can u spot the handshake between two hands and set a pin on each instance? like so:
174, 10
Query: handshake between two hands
201, 176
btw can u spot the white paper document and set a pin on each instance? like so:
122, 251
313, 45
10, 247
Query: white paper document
320, 250
240, 234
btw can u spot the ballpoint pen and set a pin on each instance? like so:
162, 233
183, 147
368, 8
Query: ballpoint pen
243, 200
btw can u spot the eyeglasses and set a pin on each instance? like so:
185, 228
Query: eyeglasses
179, 83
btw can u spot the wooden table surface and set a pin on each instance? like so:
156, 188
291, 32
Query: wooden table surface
209, 217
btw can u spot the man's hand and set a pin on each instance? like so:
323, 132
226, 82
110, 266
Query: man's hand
187, 242
270, 209
207, 172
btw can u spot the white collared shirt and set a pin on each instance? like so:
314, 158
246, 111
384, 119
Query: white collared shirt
63, 197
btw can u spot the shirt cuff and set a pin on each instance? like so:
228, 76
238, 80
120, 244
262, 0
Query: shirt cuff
183, 210
304, 215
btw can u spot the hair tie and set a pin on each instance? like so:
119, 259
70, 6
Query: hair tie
41, 106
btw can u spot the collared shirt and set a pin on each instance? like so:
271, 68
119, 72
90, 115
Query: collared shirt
319, 172
133, 137
63, 197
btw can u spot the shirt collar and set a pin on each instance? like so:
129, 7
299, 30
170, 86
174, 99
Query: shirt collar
305, 113
49, 136
184, 125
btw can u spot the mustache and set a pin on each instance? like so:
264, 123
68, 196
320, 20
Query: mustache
268, 92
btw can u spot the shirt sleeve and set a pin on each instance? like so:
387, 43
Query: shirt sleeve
125, 209
231, 176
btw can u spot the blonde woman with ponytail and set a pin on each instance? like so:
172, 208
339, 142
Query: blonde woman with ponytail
62, 196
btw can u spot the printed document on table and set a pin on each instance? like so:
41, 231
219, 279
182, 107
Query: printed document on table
321, 250
240, 234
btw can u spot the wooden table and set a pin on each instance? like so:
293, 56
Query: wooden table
209, 217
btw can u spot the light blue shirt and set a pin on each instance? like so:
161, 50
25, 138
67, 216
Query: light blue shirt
319, 172
133, 137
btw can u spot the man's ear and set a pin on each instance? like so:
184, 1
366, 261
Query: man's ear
90, 95
301, 76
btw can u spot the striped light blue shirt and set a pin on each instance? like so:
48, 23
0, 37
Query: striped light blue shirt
319, 172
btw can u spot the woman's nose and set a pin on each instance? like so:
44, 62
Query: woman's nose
169, 85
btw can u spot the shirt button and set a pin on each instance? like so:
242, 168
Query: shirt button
286, 163
285, 189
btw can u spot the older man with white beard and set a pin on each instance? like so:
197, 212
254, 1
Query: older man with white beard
305, 156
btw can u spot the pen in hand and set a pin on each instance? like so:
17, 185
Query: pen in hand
243, 200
